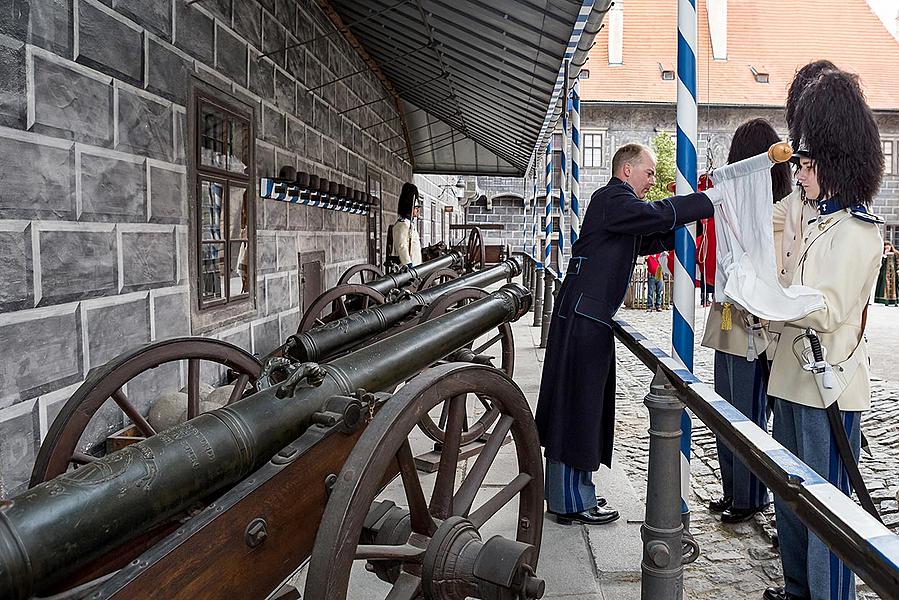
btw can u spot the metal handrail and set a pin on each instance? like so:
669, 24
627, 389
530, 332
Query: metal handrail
864, 544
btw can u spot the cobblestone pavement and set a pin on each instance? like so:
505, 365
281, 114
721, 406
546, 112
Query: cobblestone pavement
740, 558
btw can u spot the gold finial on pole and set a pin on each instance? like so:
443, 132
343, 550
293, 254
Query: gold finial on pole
780, 152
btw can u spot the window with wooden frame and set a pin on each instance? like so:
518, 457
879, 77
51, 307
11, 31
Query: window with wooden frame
226, 222
592, 149
889, 156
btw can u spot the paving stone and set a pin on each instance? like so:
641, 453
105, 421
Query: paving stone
30, 342
168, 73
171, 314
194, 32
112, 189
71, 104
109, 44
231, 55
168, 196
17, 291
18, 448
148, 259
37, 179
12, 83
145, 126
76, 263
155, 15
115, 327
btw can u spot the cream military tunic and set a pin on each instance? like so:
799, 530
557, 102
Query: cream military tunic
840, 257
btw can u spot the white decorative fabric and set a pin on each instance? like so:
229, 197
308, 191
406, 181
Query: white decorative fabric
746, 273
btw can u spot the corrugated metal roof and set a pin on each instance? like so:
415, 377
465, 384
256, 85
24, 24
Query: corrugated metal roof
475, 78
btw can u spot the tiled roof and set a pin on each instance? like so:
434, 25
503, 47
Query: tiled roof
774, 36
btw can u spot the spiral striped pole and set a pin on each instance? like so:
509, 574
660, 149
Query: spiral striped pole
685, 237
538, 253
575, 200
563, 180
547, 250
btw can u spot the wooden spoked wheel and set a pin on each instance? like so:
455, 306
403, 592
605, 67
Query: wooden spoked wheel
438, 277
106, 389
475, 252
431, 543
363, 273
339, 302
479, 411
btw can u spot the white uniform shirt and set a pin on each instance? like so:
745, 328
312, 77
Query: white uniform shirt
406, 243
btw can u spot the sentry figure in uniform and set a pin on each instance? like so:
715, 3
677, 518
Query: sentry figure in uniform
403, 243
840, 165
576, 408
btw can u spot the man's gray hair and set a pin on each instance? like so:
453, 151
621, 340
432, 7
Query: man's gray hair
630, 154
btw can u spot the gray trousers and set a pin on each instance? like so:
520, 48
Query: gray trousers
810, 569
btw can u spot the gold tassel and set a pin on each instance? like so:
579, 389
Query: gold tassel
727, 322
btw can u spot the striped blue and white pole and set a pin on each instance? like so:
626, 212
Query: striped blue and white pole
685, 237
563, 179
575, 200
548, 229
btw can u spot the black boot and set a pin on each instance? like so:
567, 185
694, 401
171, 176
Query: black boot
594, 516
721, 504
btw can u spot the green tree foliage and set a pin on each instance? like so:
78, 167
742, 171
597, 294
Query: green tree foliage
663, 146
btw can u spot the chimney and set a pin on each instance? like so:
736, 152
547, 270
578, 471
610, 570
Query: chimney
718, 28
616, 33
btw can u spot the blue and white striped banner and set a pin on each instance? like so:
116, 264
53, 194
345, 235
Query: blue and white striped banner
276, 190
575, 200
685, 237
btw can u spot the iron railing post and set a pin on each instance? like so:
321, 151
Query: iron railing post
538, 296
662, 529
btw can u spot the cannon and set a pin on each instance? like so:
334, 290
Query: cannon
296, 471
346, 297
322, 342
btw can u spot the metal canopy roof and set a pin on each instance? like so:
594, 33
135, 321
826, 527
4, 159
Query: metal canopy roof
475, 78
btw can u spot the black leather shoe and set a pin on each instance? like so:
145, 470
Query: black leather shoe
738, 515
600, 501
721, 504
778, 593
595, 516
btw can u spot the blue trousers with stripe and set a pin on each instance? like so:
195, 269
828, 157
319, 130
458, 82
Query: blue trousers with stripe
568, 490
810, 569
741, 383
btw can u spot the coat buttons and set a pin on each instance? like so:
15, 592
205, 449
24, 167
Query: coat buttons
789, 253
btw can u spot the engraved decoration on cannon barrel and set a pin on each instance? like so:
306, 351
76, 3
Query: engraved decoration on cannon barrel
51, 531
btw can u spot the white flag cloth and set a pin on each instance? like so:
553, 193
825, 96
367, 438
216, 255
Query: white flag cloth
746, 272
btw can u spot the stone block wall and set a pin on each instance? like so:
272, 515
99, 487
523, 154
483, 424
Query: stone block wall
96, 190
507, 208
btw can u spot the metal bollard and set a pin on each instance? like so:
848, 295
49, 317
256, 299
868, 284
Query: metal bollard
538, 297
662, 530
548, 287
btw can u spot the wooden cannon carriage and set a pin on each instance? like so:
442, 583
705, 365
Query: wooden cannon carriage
231, 502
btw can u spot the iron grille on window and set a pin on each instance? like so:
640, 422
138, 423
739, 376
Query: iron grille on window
225, 224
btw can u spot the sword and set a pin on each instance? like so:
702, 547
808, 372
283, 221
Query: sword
827, 386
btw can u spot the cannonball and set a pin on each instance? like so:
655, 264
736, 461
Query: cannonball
168, 410
220, 395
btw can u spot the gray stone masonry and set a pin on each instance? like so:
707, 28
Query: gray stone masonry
97, 210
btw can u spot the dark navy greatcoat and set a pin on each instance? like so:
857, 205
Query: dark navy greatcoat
576, 409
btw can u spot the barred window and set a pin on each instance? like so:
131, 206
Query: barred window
592, 145
225, 221
888, 157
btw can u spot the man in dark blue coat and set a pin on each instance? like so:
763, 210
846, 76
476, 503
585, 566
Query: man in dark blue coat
576, 408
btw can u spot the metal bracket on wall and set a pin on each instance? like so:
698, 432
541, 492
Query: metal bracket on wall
273, 189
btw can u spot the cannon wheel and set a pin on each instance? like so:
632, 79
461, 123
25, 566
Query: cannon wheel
474, 430
475, 252
438, 277
105, 384
419, 552
374, 272
336, 299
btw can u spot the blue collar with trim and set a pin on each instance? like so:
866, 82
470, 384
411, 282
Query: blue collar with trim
829, 206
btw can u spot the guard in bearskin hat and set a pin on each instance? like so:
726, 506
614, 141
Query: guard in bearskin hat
819, 375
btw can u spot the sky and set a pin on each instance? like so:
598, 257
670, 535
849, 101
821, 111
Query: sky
886, 10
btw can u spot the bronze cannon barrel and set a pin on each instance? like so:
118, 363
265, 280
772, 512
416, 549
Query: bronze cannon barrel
51, 531
323, 342
417, 273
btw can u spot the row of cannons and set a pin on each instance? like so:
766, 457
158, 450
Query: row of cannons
305, 457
